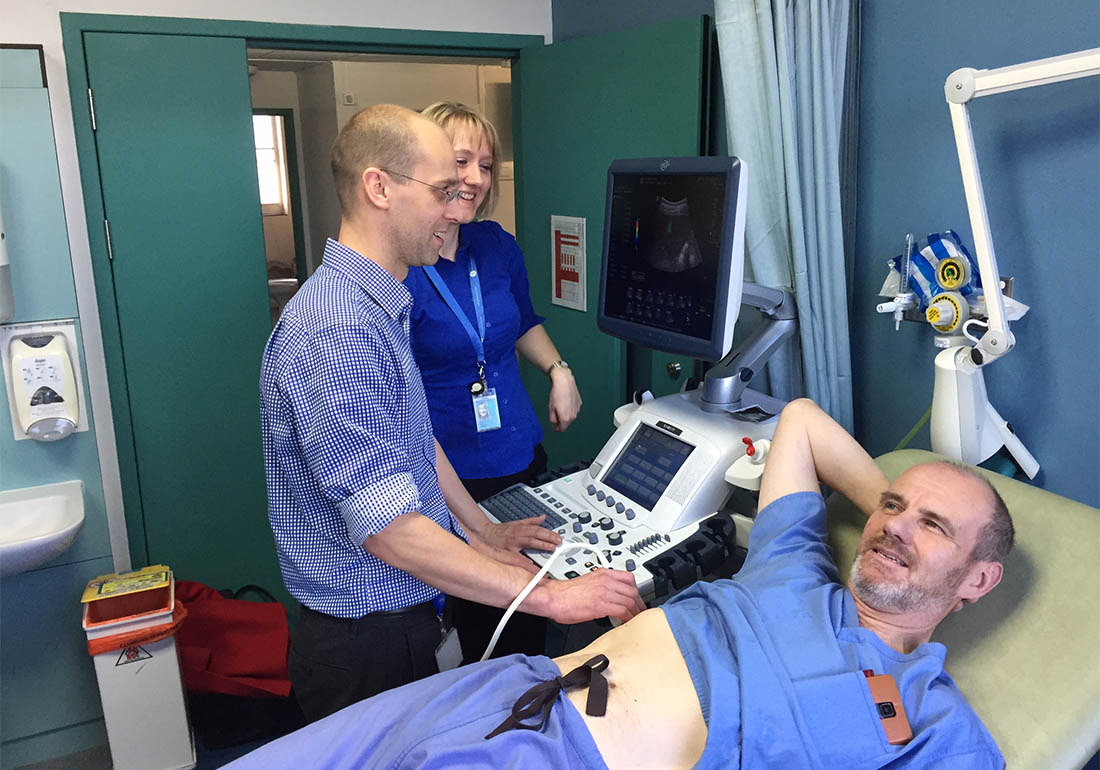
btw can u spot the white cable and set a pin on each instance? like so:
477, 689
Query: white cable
561, 549
966, 329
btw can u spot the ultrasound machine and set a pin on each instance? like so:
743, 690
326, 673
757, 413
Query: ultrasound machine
672, 279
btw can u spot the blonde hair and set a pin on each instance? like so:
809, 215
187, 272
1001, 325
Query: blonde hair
382, 136
451, 116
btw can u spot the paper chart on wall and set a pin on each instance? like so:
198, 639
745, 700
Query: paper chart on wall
568, 263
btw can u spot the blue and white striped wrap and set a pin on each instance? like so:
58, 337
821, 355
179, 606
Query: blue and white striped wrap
923, 266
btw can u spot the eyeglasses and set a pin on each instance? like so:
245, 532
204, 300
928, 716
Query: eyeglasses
448, 195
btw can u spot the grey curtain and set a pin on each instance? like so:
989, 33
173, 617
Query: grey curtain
783, 68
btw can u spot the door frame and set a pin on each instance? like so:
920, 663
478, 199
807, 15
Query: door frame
256, 34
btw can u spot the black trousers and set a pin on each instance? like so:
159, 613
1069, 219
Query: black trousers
335, 662
476, 622
479, 489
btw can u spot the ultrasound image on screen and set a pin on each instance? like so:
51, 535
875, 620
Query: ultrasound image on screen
646, 465
663, 250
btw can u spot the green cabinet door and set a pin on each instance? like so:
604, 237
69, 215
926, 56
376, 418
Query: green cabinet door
579, 105
178, 171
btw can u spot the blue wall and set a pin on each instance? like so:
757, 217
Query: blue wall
1040, 160
50, 704
1039, 154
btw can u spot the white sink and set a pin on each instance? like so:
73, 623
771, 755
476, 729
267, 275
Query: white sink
37, 524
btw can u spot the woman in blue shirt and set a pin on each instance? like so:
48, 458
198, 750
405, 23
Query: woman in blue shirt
445, 343
471, 314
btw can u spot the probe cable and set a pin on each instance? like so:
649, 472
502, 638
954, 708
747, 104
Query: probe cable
561, 549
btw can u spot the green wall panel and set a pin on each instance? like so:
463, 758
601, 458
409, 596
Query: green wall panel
580, 105
178, 170
21, 67
49, 702
68, 740
48, 678
34, 217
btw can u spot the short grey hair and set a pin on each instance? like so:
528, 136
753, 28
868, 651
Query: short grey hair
996, 537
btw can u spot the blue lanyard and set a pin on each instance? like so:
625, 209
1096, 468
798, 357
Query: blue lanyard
476, 337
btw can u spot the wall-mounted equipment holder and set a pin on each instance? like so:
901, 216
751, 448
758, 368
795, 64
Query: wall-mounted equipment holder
7, 302
44, 381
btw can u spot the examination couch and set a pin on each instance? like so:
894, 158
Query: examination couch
1027, 655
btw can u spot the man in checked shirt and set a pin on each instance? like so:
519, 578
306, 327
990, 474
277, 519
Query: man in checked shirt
370, 520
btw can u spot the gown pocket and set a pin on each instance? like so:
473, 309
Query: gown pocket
842, 721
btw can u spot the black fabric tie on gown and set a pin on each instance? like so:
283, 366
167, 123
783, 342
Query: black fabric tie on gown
542, 696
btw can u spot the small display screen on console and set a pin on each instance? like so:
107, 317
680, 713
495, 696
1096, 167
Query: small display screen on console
646, 465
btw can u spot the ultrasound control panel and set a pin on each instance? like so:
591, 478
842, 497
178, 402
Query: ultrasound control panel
595, 519
659, 476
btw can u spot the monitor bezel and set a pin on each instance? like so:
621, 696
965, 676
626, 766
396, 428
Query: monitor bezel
728, 295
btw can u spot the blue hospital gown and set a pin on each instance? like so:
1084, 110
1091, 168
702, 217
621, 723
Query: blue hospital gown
787, 689
776, 654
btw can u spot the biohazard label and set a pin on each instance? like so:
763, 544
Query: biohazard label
132, 655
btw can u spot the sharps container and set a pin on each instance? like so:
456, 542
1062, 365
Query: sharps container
131, 619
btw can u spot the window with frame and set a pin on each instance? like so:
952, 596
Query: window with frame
271, 164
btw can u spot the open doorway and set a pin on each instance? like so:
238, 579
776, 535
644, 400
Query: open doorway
318, 92
277, 170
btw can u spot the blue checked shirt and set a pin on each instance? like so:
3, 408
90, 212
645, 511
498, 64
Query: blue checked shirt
347, 440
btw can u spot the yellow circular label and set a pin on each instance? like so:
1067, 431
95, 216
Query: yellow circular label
936, 317
951, 273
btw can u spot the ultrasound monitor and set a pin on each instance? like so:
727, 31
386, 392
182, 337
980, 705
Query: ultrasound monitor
673, 255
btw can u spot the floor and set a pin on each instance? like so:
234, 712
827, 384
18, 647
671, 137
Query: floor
224, 728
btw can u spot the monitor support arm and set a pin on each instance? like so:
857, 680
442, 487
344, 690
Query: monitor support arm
964, 424
726, 381
963, 86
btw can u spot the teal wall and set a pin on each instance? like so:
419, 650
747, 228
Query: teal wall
573, 19
50, 700
1040, 163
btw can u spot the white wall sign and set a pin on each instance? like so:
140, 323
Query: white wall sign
568, 263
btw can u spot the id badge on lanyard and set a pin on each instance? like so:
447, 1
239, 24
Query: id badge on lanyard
486, 411
483, 398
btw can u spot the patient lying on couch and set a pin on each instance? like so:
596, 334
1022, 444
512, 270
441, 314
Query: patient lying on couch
780, 666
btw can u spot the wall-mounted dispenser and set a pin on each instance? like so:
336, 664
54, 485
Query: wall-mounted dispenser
44, 387
43, 380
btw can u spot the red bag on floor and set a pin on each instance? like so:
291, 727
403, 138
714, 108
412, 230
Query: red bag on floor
232, 646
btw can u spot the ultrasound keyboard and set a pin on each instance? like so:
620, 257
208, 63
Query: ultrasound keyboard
515, 503
661, 562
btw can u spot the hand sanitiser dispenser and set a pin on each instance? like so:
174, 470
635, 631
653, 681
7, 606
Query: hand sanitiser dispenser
44, 386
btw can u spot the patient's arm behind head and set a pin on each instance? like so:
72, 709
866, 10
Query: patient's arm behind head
809, 449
